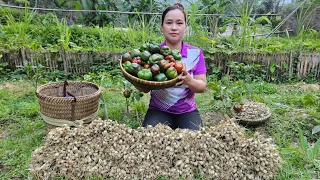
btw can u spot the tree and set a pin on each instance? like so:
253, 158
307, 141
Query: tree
153, 6
272, 6
96, 18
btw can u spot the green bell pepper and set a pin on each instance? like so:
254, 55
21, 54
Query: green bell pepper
154, 48
155, 58
145, 55
160, 77
126, 57
165, 50
135, 53
127, 66
134, 69
176, 55
171, 73
145, 74
144, 47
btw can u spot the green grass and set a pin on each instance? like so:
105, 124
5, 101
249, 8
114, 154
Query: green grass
22, 129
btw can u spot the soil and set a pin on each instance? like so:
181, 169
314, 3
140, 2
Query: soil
315, 87
15, 87
110, 89
8, 86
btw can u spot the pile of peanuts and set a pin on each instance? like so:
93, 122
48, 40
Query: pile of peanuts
107, 149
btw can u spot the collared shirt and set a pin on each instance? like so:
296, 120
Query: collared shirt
180, 99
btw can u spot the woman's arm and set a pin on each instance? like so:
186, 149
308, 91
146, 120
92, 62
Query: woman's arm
197, 84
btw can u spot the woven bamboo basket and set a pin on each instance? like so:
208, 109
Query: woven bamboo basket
257, 121
79, 107
152, 85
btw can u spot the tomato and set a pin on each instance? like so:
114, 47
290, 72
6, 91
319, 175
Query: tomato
155, 69
126, 93
137, 60
166, 66
147, 66
237, 107
179, 66
169, 58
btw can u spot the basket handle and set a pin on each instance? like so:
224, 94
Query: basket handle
66, 94
74, 97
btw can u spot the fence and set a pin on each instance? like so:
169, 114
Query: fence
286, 65
289, 65
69, 62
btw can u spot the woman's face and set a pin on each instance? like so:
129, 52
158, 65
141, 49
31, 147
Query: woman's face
174, 26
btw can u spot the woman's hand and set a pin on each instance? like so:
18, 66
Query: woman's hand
185, 77
197, 83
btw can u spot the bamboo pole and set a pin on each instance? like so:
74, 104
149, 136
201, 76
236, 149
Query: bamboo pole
290, 66
299, 66
63, 57
23, 56
305, 65
318, 67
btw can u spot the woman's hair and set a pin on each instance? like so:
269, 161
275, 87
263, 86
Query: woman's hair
176, 5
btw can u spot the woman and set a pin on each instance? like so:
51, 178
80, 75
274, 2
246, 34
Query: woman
175, 106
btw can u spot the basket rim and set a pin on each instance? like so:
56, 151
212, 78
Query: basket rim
44, 86
142, 81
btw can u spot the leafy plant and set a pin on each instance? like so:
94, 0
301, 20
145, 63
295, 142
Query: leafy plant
153, 6
246, 72
225, 94
104, 80
96, 18
308, 153
304, 16
3, 66
315, 129
245, 22
197, 34
65, 33
4, 71
35, 74
212, 7
133, 98
20, 29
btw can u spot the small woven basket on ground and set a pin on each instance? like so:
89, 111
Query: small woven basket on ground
152, 85
72, 103
258, 120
